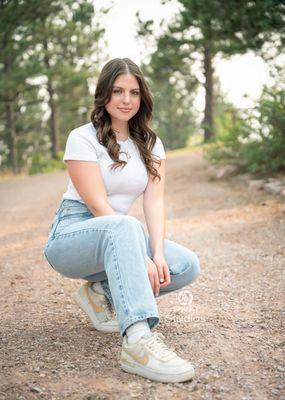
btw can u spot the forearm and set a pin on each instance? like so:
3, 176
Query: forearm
154, 213
101, 208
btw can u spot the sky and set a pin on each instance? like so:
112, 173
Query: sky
239, 76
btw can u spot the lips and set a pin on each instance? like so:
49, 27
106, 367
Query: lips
125, 109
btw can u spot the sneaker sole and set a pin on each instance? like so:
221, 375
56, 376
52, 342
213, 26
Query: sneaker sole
156, 376
89, 311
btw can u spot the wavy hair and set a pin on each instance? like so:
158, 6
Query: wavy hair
140, 132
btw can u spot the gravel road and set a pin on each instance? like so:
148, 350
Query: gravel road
229, 322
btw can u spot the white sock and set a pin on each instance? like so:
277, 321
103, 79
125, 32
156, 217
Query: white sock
137, 330
96, 286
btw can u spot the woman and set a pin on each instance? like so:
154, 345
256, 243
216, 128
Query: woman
111, 161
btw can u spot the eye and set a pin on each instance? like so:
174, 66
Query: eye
136, 93
116, 91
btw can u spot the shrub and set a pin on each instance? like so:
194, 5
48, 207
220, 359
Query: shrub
254, 140
41, 163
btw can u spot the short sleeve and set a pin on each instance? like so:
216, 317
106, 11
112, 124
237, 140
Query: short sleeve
80, 147
158, 149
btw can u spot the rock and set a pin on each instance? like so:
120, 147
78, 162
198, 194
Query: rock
35, 389
256, 184
243, 177
274, 187
226, 171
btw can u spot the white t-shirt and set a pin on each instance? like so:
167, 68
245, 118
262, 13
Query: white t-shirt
123, 185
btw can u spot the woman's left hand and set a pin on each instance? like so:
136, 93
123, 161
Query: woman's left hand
162, 268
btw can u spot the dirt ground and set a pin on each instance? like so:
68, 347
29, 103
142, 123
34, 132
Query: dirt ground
232, 330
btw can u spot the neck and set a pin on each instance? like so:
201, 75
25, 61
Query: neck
122, 128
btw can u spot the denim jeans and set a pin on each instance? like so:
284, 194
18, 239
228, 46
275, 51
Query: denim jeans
113, 249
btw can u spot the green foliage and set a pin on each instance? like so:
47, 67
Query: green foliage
49, 53
173, 88
255, 139
205, 28
230, 26
41, 163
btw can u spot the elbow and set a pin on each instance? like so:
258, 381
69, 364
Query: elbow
100, 207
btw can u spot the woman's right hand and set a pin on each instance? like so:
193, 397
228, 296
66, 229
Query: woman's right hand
153, 276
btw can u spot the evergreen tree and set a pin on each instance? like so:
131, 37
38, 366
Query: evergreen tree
48, 51
210, 27
174, 90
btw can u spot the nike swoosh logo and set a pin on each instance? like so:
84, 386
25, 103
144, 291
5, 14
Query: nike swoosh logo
98, 309
140, 359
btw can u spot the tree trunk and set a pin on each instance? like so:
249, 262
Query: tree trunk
10, 118
53, 117
209, 103
8, 100
11, 134
53, 126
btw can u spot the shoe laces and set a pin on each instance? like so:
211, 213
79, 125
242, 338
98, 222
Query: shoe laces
109, 310
156, 344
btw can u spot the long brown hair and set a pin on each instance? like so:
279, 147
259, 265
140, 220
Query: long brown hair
140, 132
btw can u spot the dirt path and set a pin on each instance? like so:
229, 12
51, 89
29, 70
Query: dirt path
231, 331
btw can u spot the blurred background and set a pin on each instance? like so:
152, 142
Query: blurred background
216, 70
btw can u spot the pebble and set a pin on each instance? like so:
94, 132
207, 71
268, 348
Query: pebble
35, 389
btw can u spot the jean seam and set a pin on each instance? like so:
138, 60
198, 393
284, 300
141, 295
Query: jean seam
78, 214
121, 287
63, 235
58, 213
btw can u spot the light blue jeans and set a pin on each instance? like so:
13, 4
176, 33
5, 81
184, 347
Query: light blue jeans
112, 249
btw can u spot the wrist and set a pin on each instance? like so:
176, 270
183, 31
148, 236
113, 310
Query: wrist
157, 253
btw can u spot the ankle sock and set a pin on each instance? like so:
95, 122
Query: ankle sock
137, 330
96, 286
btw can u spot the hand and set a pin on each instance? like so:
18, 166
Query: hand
163, 270
153, 276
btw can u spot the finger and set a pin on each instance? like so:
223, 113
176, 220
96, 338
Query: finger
167, 275
167, 280
150, 277
156, 283
160, 274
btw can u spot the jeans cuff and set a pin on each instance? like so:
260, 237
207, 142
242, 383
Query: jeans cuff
152, 319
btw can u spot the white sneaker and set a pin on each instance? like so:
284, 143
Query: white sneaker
97, 307
152, 359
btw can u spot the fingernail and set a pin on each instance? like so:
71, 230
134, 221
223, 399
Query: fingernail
156, 294
161, 280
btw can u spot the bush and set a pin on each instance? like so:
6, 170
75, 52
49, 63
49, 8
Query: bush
40, 163
254, 141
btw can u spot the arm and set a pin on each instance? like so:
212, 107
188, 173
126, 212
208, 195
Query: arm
153, 205
88, 181
154, 210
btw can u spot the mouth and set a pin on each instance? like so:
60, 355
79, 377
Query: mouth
125, 110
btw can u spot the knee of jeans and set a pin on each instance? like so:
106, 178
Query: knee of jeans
193, 268
129, 221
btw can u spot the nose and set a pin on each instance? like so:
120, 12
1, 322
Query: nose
126, 98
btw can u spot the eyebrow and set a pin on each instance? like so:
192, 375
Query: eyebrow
123, 88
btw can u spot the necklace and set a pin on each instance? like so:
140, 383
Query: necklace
126, 151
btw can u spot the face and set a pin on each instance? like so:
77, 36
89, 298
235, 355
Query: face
126, 98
